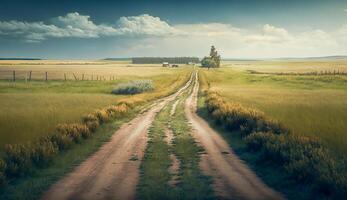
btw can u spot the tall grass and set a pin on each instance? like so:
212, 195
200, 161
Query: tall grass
31, 110
308, 105
306, 159
20, 158
25, 117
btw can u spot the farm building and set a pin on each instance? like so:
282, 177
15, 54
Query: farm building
166, 64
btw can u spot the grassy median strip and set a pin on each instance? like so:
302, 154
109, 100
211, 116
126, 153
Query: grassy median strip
193, 184
154, 167
155, 175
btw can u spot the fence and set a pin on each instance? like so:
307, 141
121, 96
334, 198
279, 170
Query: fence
313, 73
28, 76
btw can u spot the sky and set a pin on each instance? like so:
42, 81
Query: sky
82, 29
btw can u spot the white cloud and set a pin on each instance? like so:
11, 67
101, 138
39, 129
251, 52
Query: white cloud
208, 30
77, 25
145, 25
269, 34
81, 26
31, 31
150, 35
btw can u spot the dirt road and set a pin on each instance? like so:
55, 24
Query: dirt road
232, 179
113, 171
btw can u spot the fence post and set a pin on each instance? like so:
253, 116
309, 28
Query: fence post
92, 77
64, 76
29, 76
75, 76
46, 76
82, 77
14, 76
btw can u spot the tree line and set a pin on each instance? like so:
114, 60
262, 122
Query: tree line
159, 60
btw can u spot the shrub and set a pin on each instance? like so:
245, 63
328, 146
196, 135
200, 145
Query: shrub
2, 172
102, 115
91, 121
305, 159
75, 131
117, 111
17, 158
43, 151
236, 117
61, 141
208, 62
134, 87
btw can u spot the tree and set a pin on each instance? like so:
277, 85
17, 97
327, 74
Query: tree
208, 62
213, 60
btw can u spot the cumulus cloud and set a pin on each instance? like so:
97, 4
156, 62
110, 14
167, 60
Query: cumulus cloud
81, 26
145, 25
77, 25
269, 34
150, 35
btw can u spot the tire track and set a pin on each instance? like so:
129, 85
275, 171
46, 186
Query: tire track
113, 171
232, 179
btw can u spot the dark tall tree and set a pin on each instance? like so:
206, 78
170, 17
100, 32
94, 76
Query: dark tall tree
213, 60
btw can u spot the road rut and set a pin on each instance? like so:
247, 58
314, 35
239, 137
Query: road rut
232, 179
113, 171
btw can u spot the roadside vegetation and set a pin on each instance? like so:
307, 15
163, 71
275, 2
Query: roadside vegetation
39, 106
20, 161
304, 159
314, 106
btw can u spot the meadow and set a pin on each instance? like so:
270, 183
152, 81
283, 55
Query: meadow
33, 109
309, 105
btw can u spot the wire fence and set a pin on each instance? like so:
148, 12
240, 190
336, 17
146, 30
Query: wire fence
20, 75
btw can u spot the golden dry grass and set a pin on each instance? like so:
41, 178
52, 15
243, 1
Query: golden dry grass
314, 106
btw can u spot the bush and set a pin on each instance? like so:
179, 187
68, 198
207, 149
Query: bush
236, 117
102, 115
304, 158
61, 141
134, 87
43, 151
91, 121
2, 172
208, 62
17, 158
117, 111
75, 131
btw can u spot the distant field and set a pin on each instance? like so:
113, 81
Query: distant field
289, 65
309, 105
90, 69
32, 109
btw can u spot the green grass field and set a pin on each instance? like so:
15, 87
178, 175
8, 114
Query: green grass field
33, 109
309, 105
